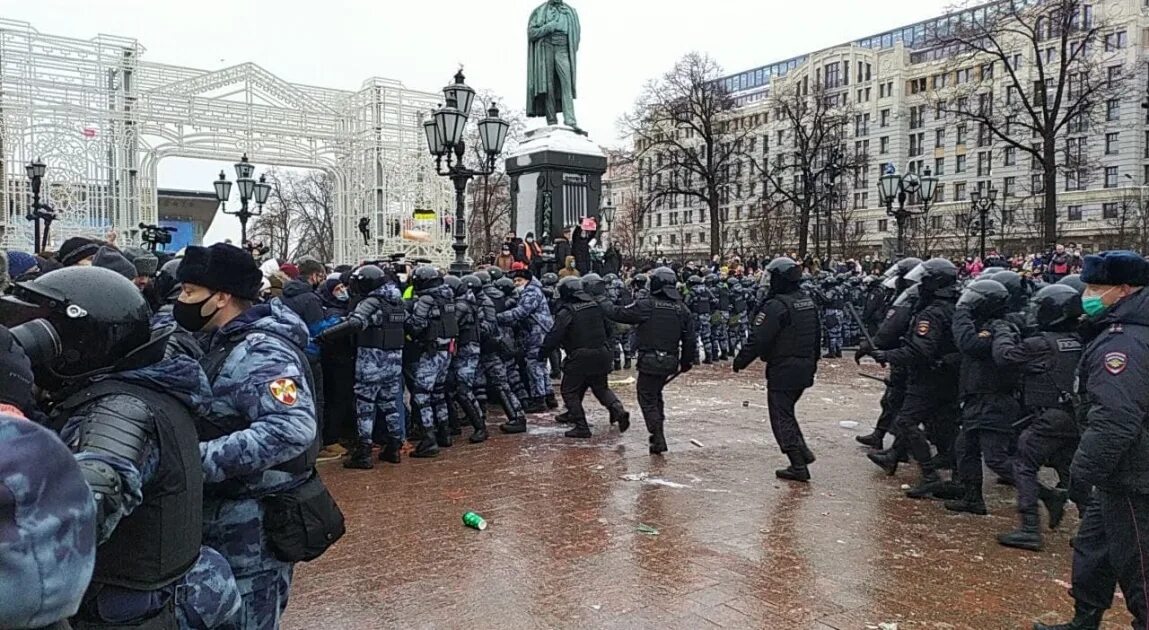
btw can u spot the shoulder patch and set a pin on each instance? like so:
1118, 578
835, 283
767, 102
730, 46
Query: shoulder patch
1115, 362
1117, 327
985, 334
1068, 345
284, 390
923, 328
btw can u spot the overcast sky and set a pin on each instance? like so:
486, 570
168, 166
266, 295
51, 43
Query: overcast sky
339, 43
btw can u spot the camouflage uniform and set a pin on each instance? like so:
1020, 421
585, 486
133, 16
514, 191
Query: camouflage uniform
379, 379
533, 313
263, 396
493, 369
48, 531
699, 301
429, 374
207, 596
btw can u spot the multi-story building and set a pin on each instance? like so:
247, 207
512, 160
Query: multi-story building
891, 85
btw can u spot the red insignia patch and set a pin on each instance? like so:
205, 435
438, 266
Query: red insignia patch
284, 391
923, 328
1115, 362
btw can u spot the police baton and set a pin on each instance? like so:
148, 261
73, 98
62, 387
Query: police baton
672, 377
876, 378
861, 324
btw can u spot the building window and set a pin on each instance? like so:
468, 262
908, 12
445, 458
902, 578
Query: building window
1112, 110
1109, 210
916, 141
1074, 213
1111, 143
1037, 183
1113, 75
1008, 186
1115, 41
939, 166
673, 239
1010, 156
940, 193
959, 191
657, 219
859, 227
937, 223
1111, 177
939, 138
883, 225
884, 118
984, 164
884, 145
960, 166
939, 110
961, 132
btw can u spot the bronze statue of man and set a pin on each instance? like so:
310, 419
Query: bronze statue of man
553, 36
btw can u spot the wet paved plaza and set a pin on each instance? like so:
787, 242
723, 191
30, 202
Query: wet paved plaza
599, 534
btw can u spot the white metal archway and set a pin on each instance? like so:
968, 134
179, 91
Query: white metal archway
102, 118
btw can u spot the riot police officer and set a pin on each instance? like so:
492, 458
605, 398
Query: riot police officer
785, 335
1112, 541
720, 318
583, 331
550, 292
465, 363
736, 332
432, 326
1049, 361
534, 319
667, 345
700, 301
988, 405
493, 350
929, 355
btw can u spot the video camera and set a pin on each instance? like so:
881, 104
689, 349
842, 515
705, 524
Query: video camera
156, 235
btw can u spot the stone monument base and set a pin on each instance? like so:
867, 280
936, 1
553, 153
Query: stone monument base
556, 180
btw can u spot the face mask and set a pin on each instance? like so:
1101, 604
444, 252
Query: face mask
190, 315
341, 295
530, 240
1094, 305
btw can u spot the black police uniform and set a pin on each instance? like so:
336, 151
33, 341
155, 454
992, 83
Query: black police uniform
1112, 542
667, 344
889, 336
583, 331
785, 334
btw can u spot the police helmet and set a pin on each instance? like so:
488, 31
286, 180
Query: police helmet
426, 277
934, 274
455, 283
472, 282
366, 279
569, 287
506, 285
484, 277
694, 281
593, 284
785, 270
991, 271
986, 298
610, 277
711, 279
640, 281
1013, 283
908, 297
664, 282
1057, 306
167, 286
549, 279
1073, 280
900, 270
747, 282
495, 272
732, 282
80, 321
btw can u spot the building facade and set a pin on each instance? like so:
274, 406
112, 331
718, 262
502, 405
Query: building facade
890, 85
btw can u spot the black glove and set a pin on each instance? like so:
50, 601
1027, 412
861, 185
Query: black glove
864, 349
879, 356
15, 374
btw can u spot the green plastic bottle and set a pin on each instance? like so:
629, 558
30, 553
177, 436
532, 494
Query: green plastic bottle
474, 521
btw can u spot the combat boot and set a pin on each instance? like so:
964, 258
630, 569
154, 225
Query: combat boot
970, 503
1027, 537
949, 491
838, 354
534, 405
808, 455
658, 443
1054, 501
707, 360
391, 450
514, 425
443, 435
580, 429
620, 416
626, 364
874, 440
797, 470
478, 422
427, 446
886, 460
927, 486
453, 420
359, 458
1084, 618
617, 365
564, 418
551, 402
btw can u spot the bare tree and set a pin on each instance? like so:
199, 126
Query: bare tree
1127, 221
299, 217
689, 142
626, 229
926, 235
846, 232
816, 123
1057, 81
771, 225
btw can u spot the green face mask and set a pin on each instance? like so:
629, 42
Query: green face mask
1094, 305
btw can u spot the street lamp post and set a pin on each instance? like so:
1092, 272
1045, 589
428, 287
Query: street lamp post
249, 190
444, 132
832, 170
983, 205
607, 215
39, 211
901, 187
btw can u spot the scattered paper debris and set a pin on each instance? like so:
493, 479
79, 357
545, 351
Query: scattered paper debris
596, 607
848, 424
841, 542
696, 443
643, 528
634, 477
888, 626
626, 381
655, 481
905, 486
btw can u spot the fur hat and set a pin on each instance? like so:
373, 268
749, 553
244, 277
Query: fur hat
221, 267
146, 262
109, 258
76, 249
1114, 268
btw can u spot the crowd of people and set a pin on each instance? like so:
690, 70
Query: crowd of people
165, 413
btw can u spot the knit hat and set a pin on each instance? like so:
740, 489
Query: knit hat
221, 267
290, 270
1115, 268
109, 258
76, 249
20, 263
146, 262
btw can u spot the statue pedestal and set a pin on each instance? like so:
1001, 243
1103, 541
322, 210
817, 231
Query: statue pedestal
556, 179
